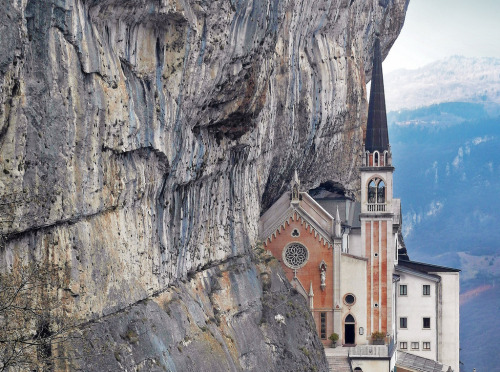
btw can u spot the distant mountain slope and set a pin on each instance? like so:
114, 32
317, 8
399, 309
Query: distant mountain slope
448, 179
478, 331
455, 79
441, 114
444, 124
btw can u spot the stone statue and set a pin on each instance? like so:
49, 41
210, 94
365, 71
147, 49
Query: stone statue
322, 273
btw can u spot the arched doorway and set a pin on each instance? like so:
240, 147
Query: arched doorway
349, 330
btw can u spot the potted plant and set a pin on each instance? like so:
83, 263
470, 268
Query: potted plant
334, 338
378, 338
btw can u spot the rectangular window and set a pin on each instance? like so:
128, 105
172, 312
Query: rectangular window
426, 345
426, 290
426, 323
403, 322
323, 325
414, 345
403, 345
403, 290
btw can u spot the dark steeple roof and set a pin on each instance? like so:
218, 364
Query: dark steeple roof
377, 137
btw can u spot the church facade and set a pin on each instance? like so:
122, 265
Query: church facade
348, 259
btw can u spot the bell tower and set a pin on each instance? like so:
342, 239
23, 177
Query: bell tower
376, 206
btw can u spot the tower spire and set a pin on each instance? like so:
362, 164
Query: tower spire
377, 137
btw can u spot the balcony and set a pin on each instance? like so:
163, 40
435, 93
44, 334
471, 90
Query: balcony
373, 351
376, 207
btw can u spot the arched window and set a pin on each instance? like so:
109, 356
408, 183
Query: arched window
375, 159
385, 157
376, 191
372, 192
349, 319
381, 192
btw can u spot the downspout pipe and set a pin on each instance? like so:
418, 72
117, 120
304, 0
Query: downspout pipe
439, 300
395, 280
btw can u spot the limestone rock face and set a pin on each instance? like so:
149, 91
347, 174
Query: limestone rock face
140, 140
234, 316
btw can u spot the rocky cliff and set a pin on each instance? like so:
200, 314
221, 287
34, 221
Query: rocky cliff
140, 141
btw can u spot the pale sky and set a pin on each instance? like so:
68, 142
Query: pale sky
435, 29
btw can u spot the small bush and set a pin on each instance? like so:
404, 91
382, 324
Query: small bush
334, 337
378, 335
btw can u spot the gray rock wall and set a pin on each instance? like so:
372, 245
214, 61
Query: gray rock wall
221, 319
140, 140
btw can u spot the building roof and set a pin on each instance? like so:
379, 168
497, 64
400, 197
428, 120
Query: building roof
417, 363
402, 252
377, 136
425, 267
349, 210
421, 274
306, 210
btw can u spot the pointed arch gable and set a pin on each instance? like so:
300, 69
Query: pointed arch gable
296, 215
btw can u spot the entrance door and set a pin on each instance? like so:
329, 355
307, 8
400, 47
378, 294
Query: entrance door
349, 334
349, 330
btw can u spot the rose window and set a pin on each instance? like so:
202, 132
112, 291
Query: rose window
295, 255
349, 299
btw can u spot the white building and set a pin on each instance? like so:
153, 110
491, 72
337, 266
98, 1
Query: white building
427, 303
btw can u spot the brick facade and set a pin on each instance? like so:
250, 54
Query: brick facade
319, 250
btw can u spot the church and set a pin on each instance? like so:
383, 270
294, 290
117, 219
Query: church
348, 259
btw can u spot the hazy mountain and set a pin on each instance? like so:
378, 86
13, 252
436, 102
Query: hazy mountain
448, 179
478, 331
455, 79
444, 124
442, 114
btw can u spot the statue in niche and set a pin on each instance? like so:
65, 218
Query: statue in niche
322, 273
295, 194
295, 187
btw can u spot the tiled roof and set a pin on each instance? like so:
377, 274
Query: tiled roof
417, 363
426, 268
349, 210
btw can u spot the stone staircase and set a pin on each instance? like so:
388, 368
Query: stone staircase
338, 360
338, 364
